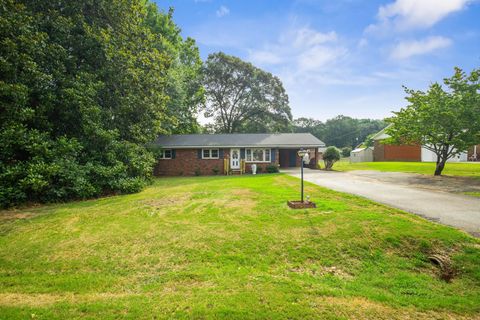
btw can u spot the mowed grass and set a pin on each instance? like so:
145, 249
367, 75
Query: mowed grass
451, 169
229, 247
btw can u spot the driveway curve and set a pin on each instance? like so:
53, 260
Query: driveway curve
451, 209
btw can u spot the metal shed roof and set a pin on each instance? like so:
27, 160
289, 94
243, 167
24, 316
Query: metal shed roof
279, 140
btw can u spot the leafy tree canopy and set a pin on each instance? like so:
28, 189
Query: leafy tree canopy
83, 86
340, 131
243, 98
444, 119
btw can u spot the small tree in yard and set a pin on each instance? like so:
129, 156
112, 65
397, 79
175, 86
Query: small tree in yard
346, 152
331, 156
447, 122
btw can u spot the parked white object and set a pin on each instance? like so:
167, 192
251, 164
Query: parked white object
254, 168
362, 155
430, 156
306, 158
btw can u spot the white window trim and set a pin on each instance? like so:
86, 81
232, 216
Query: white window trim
210, 153
254, 161
162, 154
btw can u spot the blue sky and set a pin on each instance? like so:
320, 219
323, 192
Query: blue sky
347, 57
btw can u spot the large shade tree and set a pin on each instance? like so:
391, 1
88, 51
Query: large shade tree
243, 98
184, 82
444, 119
83, 87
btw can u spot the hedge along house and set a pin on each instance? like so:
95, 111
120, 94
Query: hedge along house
209, 154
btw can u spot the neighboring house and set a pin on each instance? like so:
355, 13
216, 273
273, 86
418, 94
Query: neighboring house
392, 152
364, 154
207, 154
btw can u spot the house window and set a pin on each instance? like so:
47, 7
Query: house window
166, 154
257, 155
210, 154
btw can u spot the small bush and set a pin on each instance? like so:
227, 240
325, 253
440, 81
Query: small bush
331, 156
271, 168
215, 171
198, 172
259, 169
346, 152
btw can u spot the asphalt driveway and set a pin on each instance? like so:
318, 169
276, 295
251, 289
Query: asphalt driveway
430, 200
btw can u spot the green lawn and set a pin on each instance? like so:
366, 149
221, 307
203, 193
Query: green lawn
451, 169
229, 247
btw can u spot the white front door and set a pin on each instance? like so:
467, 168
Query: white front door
235, 158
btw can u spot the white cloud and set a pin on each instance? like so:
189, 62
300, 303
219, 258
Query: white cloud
407, 49
306, 37
222, 11
319, 56
411, 14
265, 57
303, 48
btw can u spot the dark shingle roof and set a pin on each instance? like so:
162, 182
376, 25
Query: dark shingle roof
239, 140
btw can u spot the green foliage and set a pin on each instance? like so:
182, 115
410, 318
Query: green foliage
330, 156
271, 168
83, 87
215, 171
184, 77
243, 98
340, 131
446, 122
346, 151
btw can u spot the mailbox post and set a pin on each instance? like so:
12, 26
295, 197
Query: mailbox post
302, 154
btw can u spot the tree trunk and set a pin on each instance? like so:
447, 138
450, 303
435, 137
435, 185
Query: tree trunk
439, 167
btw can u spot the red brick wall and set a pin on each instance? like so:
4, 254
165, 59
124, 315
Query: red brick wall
388, 152
186, 163
378, 151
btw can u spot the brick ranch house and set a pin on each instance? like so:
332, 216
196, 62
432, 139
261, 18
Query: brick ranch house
208, 154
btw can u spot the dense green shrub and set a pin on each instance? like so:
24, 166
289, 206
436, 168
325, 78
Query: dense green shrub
346, 152
84, 86
271, 168
330, 156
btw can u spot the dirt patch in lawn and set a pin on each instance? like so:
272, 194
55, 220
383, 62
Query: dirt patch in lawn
361, 308
437, 183
12, 215
45, 299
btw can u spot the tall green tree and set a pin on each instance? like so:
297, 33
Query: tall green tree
184, 78
444, 119
83, 88
309, 125
243, 98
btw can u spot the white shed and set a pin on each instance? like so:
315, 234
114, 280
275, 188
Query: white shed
362, 155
